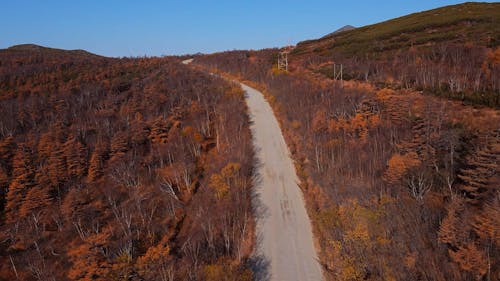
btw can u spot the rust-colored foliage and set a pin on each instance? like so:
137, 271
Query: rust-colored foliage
23, 179
391, 163
398, 165
225, 180
76, 157
471, 259
105, 168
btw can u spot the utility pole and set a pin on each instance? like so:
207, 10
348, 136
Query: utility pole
338, 75
283, 60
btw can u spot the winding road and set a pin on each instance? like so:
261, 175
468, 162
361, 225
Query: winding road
285, 246
285, 249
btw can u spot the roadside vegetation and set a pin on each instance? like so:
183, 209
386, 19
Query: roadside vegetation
399, 185
451, 52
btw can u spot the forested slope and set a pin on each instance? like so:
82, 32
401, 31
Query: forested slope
121, 169
399, 185
451, 52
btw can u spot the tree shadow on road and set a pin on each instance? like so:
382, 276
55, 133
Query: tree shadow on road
259, 264
260, 267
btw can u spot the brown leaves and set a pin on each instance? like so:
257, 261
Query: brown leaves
7, 147
159, 130
398, 165
451, 230
76, 157
478, 179
226, 179
470, 258
471, 235
87, 260
119, 144
23, 178
37, 198
155, 260
96, 166
225, 271
103, 170
319, 121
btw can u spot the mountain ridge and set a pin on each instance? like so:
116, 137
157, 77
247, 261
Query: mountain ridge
342, 29
461, 23
30, 47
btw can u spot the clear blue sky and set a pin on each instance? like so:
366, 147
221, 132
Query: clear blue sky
136, 28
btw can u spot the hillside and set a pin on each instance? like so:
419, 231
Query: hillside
143, 168
477, 23
399, 185
342, 29
452, 52
32, 49
399, 162
121, 169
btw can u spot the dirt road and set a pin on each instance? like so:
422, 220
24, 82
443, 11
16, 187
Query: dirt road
284, 236
188, 61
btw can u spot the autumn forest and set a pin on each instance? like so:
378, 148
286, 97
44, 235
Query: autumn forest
118, 168
143, 168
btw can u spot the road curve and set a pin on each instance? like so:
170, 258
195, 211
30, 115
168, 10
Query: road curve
284, 235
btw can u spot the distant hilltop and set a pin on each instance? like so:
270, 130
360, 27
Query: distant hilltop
344, 28
37, 48
26, 47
